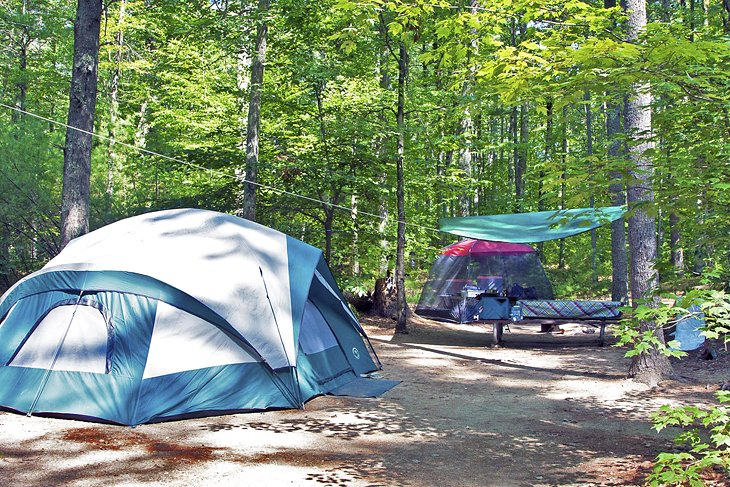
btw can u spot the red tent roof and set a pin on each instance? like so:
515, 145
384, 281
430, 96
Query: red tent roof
481, 247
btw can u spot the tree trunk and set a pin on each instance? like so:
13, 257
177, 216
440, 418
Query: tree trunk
355, 267
400, 274
546, 163
619, 260
512, 175
114, 161
22, 85
77, 153
329, 217
521, 162
253, 124
591, 171
564, 169
381, 152
675, 243
726, 15
384, 298
650, 367
466, 130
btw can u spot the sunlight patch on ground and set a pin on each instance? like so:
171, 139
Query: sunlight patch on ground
258, 440
229, 473
600, 390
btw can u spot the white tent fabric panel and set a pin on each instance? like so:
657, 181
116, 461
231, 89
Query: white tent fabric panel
227, 263
181, 341
82, 349
315, 334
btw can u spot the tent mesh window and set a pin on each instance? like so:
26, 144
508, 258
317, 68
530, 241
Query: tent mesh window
80, 345
315, 335
516, 275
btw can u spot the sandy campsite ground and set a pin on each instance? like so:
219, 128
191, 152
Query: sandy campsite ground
542, 410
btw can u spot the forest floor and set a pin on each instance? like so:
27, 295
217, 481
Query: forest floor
542, 410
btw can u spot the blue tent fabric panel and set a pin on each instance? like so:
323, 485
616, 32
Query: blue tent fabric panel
229, 387
300, 278
365, 387
320, 372
79, 393
348, 336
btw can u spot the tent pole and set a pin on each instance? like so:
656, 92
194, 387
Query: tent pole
47, 375
295, 375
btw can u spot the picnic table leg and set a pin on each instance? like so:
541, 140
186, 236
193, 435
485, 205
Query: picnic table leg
497, 329
602, 335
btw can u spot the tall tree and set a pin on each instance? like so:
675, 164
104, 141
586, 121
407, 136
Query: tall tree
619, 260
253, 125
77, 152
400, 266
650, 367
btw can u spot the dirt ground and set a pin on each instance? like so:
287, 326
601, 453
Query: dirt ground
542, 410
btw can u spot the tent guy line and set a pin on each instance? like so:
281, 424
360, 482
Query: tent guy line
213, 171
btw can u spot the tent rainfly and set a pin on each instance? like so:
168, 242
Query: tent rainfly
173, 314
479, 265
538, 226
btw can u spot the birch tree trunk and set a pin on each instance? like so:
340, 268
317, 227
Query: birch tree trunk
77, 152
650, 367
248, 208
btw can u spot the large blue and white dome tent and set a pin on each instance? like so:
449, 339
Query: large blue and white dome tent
177, 313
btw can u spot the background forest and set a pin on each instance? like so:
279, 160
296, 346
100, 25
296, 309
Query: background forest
507, 107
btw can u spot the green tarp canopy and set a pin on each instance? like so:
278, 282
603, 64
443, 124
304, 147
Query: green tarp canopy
539, 226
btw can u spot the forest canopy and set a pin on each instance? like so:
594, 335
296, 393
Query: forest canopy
507, 107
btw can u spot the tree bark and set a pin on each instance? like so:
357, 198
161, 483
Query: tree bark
114, 156
400, 274
23, 42
381, 153
248, 209
591, 171
514, 133
546, 163
521, 163
675, 243
563, 189
82, 106
650, 367
466, 130
619, 259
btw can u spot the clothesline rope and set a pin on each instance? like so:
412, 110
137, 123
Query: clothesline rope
213, 171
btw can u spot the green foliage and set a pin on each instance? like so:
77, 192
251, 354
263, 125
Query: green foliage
705, 438
715, 311
478, 76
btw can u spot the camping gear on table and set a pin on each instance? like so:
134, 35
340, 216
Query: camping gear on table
177, 313
471, 279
